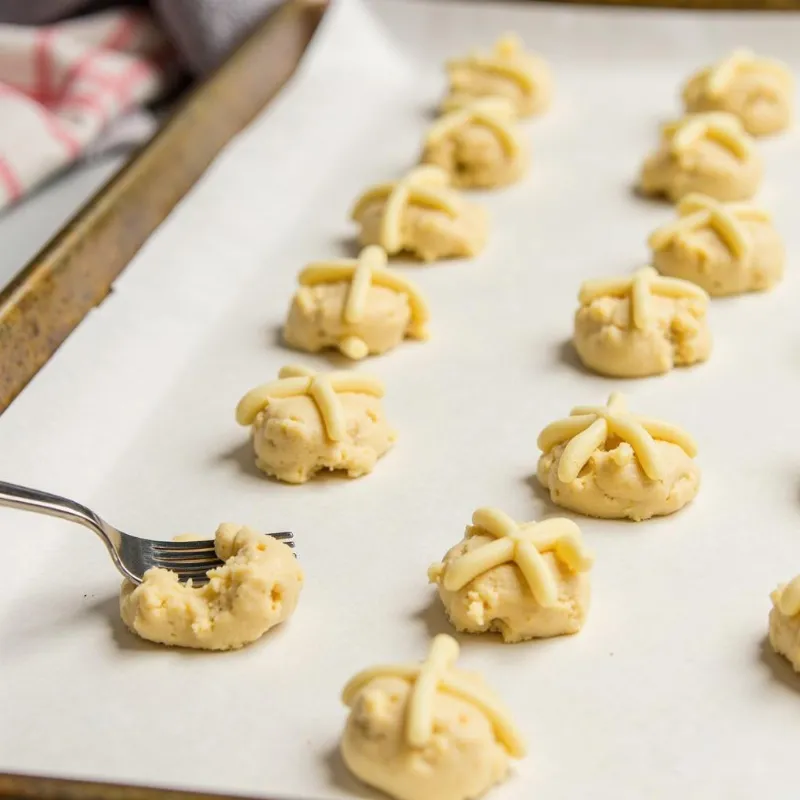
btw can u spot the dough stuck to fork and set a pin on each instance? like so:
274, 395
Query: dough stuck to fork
256, 589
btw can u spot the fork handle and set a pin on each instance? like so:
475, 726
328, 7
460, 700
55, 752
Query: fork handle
50, 505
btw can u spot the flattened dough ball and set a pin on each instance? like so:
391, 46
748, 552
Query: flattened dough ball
507, 71
478, 145
356, 306
427, 731
422, 216
706, 153
602, 461
759, 91
641, 325
255, 589
725, 248
784, 622
306, 422
524, 581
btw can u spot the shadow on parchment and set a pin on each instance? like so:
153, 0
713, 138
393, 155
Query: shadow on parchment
343, 779
779, 668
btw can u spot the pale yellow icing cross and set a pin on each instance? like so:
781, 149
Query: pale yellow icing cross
640, 288
494, 113
437, 674
522, 544
787, 598
588, 427
717, 126
506, 60
725, 72
323, 389
725, 219
365, 271
425, 186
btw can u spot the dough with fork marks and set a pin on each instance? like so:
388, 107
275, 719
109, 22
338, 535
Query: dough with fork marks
256, 589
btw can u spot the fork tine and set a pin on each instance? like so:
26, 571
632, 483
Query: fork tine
187, 558
187, 547
191, 569
191, 560
200, 545
196, 563
195, 573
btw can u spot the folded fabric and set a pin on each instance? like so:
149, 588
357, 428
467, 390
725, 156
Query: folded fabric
78, 87
61, 85
203, 31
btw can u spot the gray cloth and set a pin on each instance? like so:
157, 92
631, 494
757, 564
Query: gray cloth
203, 31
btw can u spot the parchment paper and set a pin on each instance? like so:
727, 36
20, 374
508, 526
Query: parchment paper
670, 690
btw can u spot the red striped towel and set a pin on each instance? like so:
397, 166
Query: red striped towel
63, 84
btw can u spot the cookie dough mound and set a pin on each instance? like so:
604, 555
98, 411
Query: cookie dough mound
479, 145
605, 462
709, 154
421, 216
725, 248
255, 589
524, 581
427, 731
641, 325
356, 306
784, 622
508, 71
759, 91
307, 422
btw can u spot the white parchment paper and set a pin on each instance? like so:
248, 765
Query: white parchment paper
668, 692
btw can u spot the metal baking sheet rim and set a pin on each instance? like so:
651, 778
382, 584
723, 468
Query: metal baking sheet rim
26, 787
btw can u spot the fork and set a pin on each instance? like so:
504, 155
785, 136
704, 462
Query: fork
131, 555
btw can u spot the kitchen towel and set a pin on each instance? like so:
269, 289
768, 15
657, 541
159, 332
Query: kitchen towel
77, 86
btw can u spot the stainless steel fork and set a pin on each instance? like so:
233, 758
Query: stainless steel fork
131, 555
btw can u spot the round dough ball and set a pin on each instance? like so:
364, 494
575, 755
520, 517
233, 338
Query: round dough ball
709, 168
469, 82
462, 760
702, 257
501, 600
677, 334
427, 233
762, 100
475, 158
255, 589
316, 319
612, 485
291, 443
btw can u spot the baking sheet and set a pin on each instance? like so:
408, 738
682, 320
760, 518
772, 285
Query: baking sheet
668, 692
